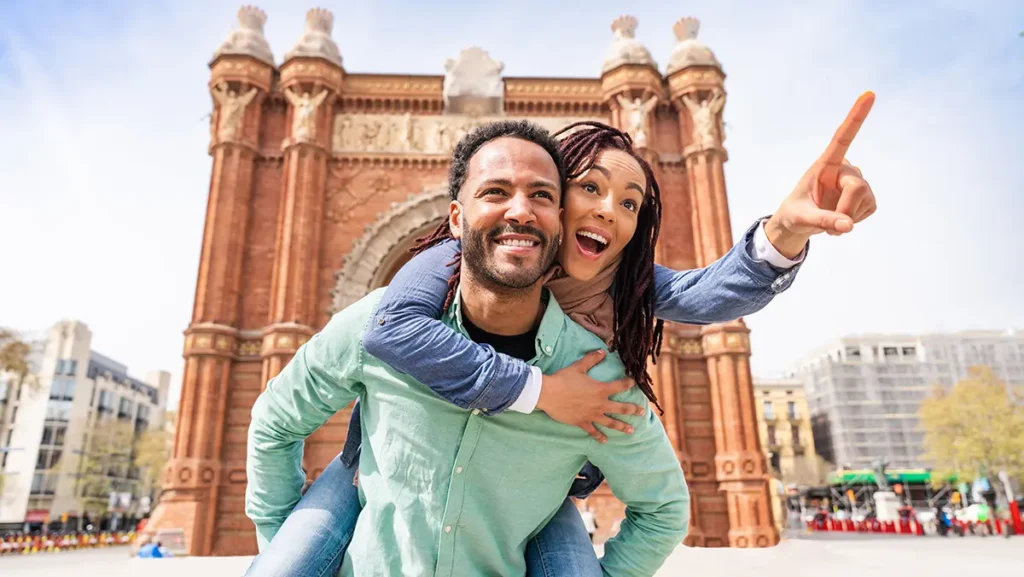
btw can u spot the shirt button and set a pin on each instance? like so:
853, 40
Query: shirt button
476, 411
547, 349
458, 470
448, 529
380, 322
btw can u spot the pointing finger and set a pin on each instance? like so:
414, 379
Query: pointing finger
836, 151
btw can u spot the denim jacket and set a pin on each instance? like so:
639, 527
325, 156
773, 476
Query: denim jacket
408, 335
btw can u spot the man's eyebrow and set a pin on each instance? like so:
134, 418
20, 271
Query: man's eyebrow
539, 183
607, 174
495, 182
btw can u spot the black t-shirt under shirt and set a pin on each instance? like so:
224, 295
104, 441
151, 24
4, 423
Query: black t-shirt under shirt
521, 347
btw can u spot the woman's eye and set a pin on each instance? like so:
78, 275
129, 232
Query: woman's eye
630, 205
590, 187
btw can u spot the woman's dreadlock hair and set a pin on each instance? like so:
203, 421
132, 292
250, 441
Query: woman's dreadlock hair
637, 332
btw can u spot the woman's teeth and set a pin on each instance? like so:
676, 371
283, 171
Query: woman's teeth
591, 235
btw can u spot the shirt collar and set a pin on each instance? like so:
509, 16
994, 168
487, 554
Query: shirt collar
548, 333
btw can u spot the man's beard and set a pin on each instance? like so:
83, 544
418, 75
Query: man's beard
478, 255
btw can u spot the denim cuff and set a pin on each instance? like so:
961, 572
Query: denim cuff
777, 280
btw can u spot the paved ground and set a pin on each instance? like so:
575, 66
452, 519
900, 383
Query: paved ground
798, 556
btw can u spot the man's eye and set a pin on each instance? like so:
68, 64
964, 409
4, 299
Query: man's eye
545, 194
493, 191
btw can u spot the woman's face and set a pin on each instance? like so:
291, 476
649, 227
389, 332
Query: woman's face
600, 213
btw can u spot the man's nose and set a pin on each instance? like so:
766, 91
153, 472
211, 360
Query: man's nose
520, 210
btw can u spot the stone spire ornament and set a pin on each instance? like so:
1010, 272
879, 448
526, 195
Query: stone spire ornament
316, 41
689, 51
625, 48
247, 39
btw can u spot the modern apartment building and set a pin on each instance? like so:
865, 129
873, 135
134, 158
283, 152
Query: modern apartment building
57, 422
864, 392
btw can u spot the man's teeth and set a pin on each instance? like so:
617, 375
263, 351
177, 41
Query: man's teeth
517, 242
592, 235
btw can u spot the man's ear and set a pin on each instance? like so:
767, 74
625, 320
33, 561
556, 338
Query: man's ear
455, 216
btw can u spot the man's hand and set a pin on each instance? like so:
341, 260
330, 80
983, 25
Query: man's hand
572, 397
831, 196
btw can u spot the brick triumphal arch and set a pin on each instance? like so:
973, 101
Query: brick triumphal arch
322, 178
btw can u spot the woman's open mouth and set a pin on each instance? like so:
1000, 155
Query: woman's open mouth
591, 243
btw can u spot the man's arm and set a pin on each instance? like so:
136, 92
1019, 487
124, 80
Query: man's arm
643, 472
740, 283
321, 379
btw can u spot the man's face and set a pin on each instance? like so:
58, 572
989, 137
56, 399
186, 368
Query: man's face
508, 213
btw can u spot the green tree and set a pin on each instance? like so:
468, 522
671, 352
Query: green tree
106, 458
15, 371
975, 429
151, 452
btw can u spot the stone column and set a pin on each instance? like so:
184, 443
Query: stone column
311, 78
241, 75
696, 86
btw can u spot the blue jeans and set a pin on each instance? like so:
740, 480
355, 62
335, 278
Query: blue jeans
313, 540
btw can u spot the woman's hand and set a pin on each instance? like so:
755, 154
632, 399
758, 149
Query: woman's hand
830, 197
572, 397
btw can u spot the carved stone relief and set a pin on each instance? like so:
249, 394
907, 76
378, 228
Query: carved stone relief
405, 133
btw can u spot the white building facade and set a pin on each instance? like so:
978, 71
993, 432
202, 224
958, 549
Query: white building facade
73, 393
864, 392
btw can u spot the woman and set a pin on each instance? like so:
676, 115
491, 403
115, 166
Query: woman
606, 281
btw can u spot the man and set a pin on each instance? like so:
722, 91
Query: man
450, 491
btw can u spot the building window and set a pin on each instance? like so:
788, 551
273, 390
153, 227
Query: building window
62, 389
125, 409
769, 413
909, 351
796, 434
771, 435
106, 402
791, 410
53, 434
890, 352
58, 411
853, 353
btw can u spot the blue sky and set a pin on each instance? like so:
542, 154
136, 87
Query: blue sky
105, 171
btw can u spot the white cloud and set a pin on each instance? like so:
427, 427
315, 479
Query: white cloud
106, 172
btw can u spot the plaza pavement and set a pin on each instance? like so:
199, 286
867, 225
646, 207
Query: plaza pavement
798, 556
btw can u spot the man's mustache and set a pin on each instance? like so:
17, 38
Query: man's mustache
519, 229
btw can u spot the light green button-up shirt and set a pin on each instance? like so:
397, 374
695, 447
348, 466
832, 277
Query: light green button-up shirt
453, 492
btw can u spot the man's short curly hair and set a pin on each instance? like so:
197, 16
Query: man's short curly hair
471, 143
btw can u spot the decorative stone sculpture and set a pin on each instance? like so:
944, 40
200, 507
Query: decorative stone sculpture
705, 118
638, 117
232, 110
689, 51
473, 84
248, 39
361, 133
304, 114
316, 41
625, 48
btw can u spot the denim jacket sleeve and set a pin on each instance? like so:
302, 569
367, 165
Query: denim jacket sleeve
408, 335
734, 286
